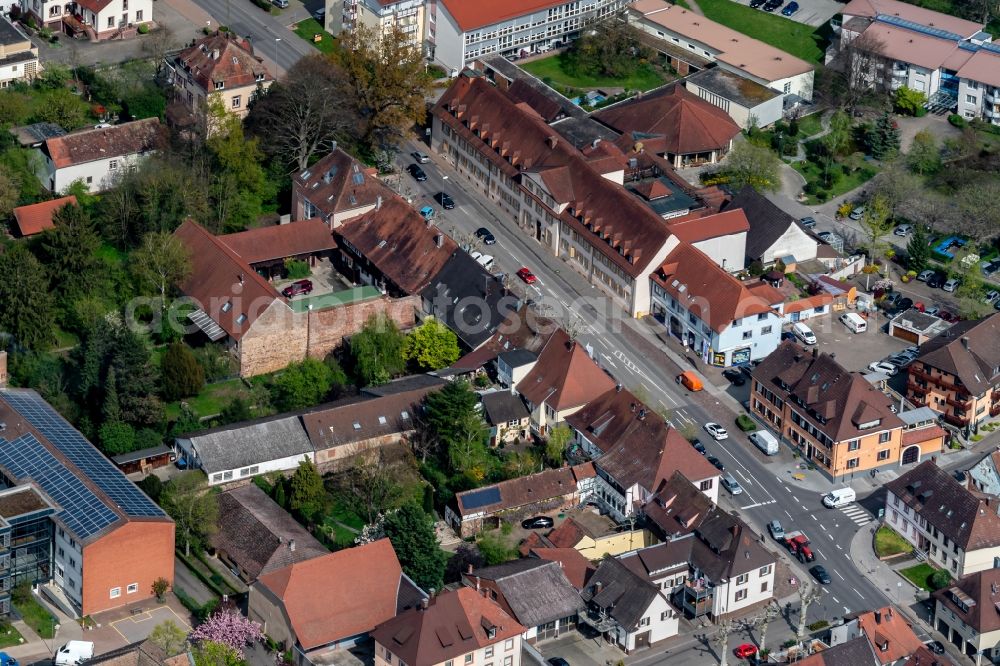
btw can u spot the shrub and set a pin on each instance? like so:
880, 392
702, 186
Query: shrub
939, 579
297, 269
143, 29
182, 375
822, 195
745, 423
957, 120
819, 624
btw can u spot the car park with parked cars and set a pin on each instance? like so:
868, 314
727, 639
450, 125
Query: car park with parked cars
883, 367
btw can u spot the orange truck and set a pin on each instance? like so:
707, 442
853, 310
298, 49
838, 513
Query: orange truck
690, 381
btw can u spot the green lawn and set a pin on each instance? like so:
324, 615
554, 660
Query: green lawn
889, 542
799, 39
847, 182
310, 27
810, 125
212, 399
36, 617
645, 77
9, 636
919, 575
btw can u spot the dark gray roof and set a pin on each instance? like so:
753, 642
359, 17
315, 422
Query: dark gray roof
504, 406
856, 652
404, 385
409, 595
726, 547
515, 358
767, 221
250, 443
733, 87
36, 134
536, 590
141, 454
9, 34
624, 592
259, 535
583, 131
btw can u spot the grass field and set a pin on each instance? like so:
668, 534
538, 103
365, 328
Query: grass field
646, 77
799, 39
810, 125
9, 636
888, 542
847, 182
308, 28
36, 617
212, 399
919, 575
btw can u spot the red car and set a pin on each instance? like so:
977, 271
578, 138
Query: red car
745, 651
298, 288
526, 275
947, 316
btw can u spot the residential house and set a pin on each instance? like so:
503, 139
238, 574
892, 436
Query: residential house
514, 365
985, 474
634, 450
721, 236
675, 123
455, 627
268, 249
523, 331
729, 49
955, 527
835, 418
84, 534
218, 69
35, 218
721, 319
747, 102
325, 604
35, 134
263, 330
563, 380
335, 189
379, 16
97, 157
484, 508
533, 591
887, 630
255, 536
957, 373
575, 566
666, 565
856, 652
98, 20
507, 417
18, 56
628, 608
595, 535
966, 613
773, 233
458, 32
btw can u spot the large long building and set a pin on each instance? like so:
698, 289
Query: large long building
69, 519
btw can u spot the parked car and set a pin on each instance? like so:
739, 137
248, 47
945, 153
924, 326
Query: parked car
298, 288
857, 213
926, 275
427, 212
745, 651
991, 268
718, 464
892, 298
734, 376
281, 4
730, 483
485, 235
558, 661
537, 523
948, 316
790, 8
771, 5
421, 158
991, 297
525, 274
7, 660
825, 236
904, 304
883, 367
776, 530
698, 446
754, 4
716, 431
936, 281
932, 310
819, 573
417, 173
903, 230
320, 15
952, 284
806, 222
445, 200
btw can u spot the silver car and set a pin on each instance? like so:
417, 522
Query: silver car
730, 483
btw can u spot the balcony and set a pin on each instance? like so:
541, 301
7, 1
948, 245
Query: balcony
995, 396
991, 96
960, 402
697, 598
960, 421
931, 379
990, 114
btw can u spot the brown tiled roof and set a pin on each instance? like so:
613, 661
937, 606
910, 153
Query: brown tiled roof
977, 366
856, 652
36, 218
547, 107
515, 138
471, 14
575, 566
915, 13
844, 400
259, 535
983, 66
346, 424
706, 289
920, 435
686, 123
808, 303
567, 534
889, 633
969, 520
695, 228
280, 241
399, 243
677, 506
222, 58
142, 653
339, 183
219, 277
454, 623
524, 329
922, 656
564, 376
136, 137
338, 595
984, 589
524, 490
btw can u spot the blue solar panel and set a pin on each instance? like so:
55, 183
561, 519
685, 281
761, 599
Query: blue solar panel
481, 497
918, 27
82, 454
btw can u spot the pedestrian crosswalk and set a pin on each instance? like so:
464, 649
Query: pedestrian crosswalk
857, 514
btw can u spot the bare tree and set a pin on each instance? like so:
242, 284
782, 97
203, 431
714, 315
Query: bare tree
720, 639
157, 45
769, 613
863, 68
807, 595
370, 484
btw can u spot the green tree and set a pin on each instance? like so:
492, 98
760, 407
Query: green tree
160, 262
159, 588
305, 490
411, 532
70, 250
169, 637
239, 182
301, 384
875, 223
27, 312
63, 108
493, 548
378, 351
193, 506
10, 189
909, 101
455, 424
152, 486
883, 138
610, 48
431, 346
211, 653
555, 445
117, 438
925, 155
918, 252
752, 165
938, 579
146, 102
236, 411
970, 292
182, 375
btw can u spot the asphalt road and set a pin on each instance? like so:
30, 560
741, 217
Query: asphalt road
630, 351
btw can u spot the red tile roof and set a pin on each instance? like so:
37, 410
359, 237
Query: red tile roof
921, 435
889, 633
564, 376
692, 229
983, 588
339, 183
281, 241
221, 58
455, 623
808, 303
338, 595
567, 534
682, 122
524, 490
136, 137
706, 290
575, 566
472, 14
36, 218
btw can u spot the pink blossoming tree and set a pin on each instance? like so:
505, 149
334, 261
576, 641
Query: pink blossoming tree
230, 628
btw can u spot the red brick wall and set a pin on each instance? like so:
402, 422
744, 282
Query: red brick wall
137, 552
328, 328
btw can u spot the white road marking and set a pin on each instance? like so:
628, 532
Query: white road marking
835, 600
745, 477
671, 399
846, 609
857, 593
786, 487
754, 506
838, 546
824, 527
821, 554
786, 513
839, 576
795, 498
813, 516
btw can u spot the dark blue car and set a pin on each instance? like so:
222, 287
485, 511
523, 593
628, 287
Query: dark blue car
790, 8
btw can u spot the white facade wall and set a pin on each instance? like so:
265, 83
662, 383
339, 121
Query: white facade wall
729, 252
978, 100
795, 242
68, 564
227, 476
660, 620
19, 71
98, 175
763, 114
743, 591
510, 376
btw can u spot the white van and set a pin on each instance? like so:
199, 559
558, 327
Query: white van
839, 497
765, 441
73, 653
803, 333
854, 321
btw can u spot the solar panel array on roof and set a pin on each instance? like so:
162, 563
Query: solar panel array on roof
919, 27
83, 512
479, 498
82, 454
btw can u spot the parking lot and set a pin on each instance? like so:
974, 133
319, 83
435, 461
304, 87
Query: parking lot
854, 351
811, 12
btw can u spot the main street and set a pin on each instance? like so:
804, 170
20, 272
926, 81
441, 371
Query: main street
631, 351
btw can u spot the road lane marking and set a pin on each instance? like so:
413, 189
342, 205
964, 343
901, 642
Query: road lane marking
672, 399
838, 546
795, 498
840, 577
745, 477
786, 487
846, 609
835, 600
858, 593
786, 513
824, 527
822, 555
754, 506
813, 516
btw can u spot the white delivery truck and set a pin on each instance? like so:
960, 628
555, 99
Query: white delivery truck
803, 333
855, 322
765, 441
73, 653
839, 497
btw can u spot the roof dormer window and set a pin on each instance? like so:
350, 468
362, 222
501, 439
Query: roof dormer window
219, 85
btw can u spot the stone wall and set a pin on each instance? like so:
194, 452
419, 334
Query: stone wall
329, 327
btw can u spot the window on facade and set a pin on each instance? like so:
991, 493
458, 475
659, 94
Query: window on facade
883, 437
72, 563
747, 335
219, 85
762, 316
854, 445
111, 21
132, 588
742, 579
508, 645
488, 652
116, 592
971, 99
62, 553
508, 661
664, 615
763, 586
764, 570
853, 463
787, 88
741, 595
237, 101
468, 658
705, 485
883, 454
138, 15
766, 330
112, 165
644, 622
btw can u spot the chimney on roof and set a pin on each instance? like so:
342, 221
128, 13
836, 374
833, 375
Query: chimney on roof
378, 202
439, 240
618, 387
878, 617
3, 369
477, 583
965, 342
333, 146
833, 354
424, 603
597, 587
291, 545
888, 611
215, 54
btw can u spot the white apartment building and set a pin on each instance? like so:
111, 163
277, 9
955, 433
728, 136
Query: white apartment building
378, 15
459, 31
